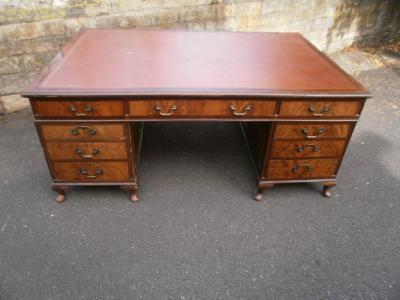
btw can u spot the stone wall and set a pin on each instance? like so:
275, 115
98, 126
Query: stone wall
32, 31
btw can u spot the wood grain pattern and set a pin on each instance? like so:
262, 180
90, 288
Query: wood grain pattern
306, 108
110, 171
201, 108
80, 151
320, 130
75, 109
307, 148
296, 169
103, 132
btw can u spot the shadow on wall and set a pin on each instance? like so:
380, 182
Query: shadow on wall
375, 21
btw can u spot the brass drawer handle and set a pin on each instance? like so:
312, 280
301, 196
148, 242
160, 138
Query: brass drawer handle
317, 134
313, 148
313, 110
85, 172
246, 109
173, 109
76, 112
308, 168
94, 153
76, 130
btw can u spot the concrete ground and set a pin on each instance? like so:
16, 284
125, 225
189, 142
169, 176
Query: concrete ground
197, 233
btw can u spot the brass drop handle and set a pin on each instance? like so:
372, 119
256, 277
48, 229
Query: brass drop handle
308, 168
313, 110
76, 112
80, 152
85, 172
313, 148
246, 109
319, 132
173, 109
76, 130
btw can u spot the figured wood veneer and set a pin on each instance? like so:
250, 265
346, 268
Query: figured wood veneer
307, 148
99, 151
111, 171
74, 109
335, 108
284, 169
296, 131
107, 132
201, 108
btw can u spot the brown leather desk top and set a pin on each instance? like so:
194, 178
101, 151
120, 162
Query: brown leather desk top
121, 62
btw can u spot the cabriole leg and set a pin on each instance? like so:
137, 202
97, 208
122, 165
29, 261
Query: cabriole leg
61, 190
261, 187
133, 192
326, 191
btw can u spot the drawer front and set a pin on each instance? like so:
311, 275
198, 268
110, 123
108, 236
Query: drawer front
307, 148
78, 109
320, 109
311, 131
301, 168
87, 151
96, 172
87, 132
201, 108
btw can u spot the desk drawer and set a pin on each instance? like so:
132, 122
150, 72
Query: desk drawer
307, 148
94, 171
301, 168
320, 109
78, 109
201, 108
86, 132
312, 130
87, 151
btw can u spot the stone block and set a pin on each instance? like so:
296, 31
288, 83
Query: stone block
17, 32
197, 13
12, 103
195, 26
123, 6
29, 14
39, 45
183, 3
13, 83
36, 62
11, 65
168, 16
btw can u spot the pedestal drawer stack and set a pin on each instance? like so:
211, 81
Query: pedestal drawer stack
86, 143
307, 143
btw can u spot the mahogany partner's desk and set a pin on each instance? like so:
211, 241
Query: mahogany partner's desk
298, 109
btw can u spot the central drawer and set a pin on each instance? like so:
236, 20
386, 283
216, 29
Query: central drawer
91, 172
163, 109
